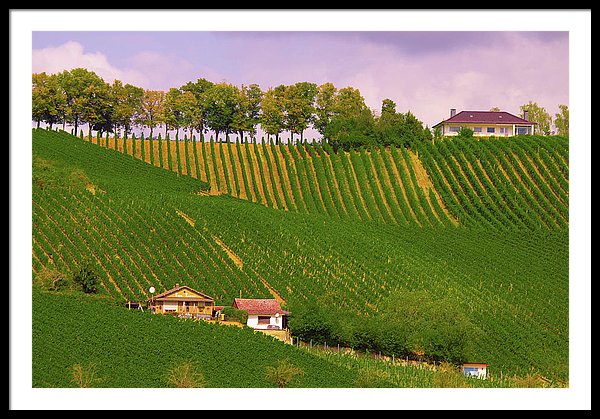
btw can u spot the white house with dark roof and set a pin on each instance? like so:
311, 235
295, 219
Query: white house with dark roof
265, 313
486, 123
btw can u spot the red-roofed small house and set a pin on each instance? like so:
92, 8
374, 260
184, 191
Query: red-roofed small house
185, 302
486, 123
263, 313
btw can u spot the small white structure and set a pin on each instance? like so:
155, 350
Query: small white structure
475, 369
263, 313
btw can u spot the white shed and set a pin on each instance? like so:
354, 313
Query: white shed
475, 369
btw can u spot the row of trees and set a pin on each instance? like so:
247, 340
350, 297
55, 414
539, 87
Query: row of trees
409, 324
78, 97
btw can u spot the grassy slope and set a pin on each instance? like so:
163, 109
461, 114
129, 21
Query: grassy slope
514, 285
131, 349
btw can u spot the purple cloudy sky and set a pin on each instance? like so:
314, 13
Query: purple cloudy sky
425, 72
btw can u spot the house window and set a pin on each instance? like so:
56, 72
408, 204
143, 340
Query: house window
491, 130
522, 130
504, 130
454, 129
477, 129
264, 319
170, 306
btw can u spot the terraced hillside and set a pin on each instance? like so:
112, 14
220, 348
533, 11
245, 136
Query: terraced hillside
487, 231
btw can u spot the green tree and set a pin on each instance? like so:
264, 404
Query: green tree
349, 102
311, 322
151, 112
247, 113
87, 278
48, 100
198, 88
351, 131
324, 106
85, 94
127, 103
299, 108
537, 113
272, 119
398, 129
173, 113
352, 123
434, 327
495, 109
189, 111
101, 112
220, 102
561, 121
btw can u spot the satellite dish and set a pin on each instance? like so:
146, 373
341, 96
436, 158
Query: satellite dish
152, 290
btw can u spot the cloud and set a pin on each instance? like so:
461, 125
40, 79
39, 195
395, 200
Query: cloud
71, 55
167, 70
507, 73
424, 73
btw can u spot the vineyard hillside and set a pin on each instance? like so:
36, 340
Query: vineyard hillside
481, 223
497, 183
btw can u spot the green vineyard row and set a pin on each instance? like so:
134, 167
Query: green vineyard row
495, 183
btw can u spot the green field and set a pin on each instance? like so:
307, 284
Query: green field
484, 223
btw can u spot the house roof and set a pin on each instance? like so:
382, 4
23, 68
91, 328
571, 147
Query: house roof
472, 364
258, 305
166, 294
486, 117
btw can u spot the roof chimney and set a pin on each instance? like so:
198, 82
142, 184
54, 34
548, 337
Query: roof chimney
177, 285
526, 115
452, 112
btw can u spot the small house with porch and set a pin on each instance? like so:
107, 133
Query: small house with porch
475, 369
263, 313
184, 301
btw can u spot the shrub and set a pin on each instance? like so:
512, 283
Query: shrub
185, 375
51, 279
448, 376
370, 377
282, 374
234, 314
84, 376
87, 278
465, 132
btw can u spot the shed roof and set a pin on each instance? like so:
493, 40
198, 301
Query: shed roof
486, 117
474, 364
258, 305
